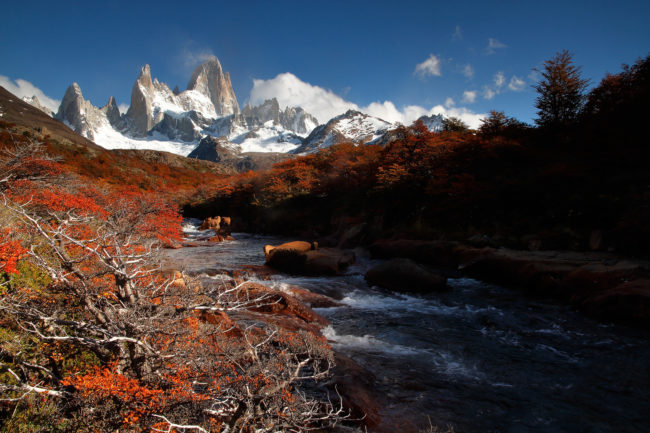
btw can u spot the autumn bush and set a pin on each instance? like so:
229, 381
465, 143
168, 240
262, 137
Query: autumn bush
94, 337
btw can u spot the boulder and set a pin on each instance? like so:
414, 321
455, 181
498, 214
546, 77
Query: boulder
219, 224
281, 309
280, 303
211, 223
628, 303
327, 261
288, 257
305, 258
361, 395
437, 253
352, 236
311, 299
405, 275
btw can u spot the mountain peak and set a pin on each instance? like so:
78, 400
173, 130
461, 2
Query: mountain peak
145, 76
78, 113
73, 89
209, 79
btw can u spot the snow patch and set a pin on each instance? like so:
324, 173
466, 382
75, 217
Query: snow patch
269, 138
109, 138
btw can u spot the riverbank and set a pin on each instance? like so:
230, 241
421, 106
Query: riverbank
607, 287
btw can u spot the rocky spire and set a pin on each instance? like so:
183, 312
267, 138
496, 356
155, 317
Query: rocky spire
140, 113
79, 114
209, 79
113, 113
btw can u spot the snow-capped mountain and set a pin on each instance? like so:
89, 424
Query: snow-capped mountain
352, 126
433, 122
159, 118
163, 119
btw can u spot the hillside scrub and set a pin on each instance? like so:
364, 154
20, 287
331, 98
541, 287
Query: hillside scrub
93, 337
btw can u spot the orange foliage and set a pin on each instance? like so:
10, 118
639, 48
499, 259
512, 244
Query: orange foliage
10, 253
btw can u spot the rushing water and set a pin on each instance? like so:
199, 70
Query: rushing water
481, 358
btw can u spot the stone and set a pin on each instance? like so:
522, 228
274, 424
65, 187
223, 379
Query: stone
301, 257
405, 275
627, 303
311, 299
327, 261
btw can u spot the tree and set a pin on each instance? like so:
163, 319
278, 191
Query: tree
454, 124
561, 92
619, 104
498, 124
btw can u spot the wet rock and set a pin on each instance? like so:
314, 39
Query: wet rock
289, 247
360, 396
262, 272
327, 261
586, 280
313, 300
430, 252
405, 275
277, 303
352, 236
627, 303
305, 258
220, 224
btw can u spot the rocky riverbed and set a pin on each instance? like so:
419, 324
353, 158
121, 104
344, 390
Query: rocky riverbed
480, 357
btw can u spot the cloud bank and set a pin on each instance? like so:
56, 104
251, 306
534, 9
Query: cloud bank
325, 104
23, 88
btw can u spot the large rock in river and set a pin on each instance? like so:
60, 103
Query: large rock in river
404, 275
305, 258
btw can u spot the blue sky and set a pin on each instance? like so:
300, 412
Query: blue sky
472, 56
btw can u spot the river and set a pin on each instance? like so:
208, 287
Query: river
480, 358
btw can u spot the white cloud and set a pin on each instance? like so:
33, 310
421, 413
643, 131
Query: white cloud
469, 96
192, 57
22, 88
535, 76
493, 45
468, 71
291, 91
516, 84
488, 93
458, 34
123, 108
449, 102
429, 67
499, 79
473, 120
325, 104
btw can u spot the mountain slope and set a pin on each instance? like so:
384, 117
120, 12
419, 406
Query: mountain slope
229, 156
353, 126
165, 172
